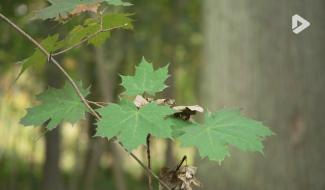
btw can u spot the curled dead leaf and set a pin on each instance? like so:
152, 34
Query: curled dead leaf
93, 7
185, 112
140, 101
85, 8
183, 178
195, 108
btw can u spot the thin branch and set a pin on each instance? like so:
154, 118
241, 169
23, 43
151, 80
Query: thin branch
148, 170
51, 58
149, 162
86, 39
95, 103
181, 163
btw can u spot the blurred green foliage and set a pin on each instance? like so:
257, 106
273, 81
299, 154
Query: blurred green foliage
166, 31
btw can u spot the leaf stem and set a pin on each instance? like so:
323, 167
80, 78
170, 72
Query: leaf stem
52, 59
181, 163
96, 103
149, 162
86, 39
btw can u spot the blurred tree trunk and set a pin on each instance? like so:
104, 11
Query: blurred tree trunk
103, 91
52, 179
106, 87
253, 60
51, 171
92, 157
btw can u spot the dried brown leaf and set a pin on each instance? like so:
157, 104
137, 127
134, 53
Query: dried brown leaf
195, 108
85, 8
185, 112
140, 101
183, 179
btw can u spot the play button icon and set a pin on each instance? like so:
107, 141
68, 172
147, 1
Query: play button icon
299, 24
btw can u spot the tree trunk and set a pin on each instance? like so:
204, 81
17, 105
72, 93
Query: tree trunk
257, 63
106, 87
103, 91
51, 172
52, 179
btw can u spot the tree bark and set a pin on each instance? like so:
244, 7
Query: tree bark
254, 61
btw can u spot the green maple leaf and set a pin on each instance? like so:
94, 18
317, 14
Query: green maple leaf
58, 105
131, 125
224, 128
64, 7
146, 80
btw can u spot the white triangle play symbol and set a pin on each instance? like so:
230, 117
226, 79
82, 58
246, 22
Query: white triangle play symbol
299, 24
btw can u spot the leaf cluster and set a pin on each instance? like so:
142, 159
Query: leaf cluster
131, 121
93, 31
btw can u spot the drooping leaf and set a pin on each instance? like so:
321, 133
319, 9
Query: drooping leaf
64, 8
57, 105
131, 125
145, 80
222, 129
38, 58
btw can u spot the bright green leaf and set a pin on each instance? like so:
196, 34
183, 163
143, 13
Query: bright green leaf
113, 20
64, 7
131, 125
224, 128
58, 105
145, 80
